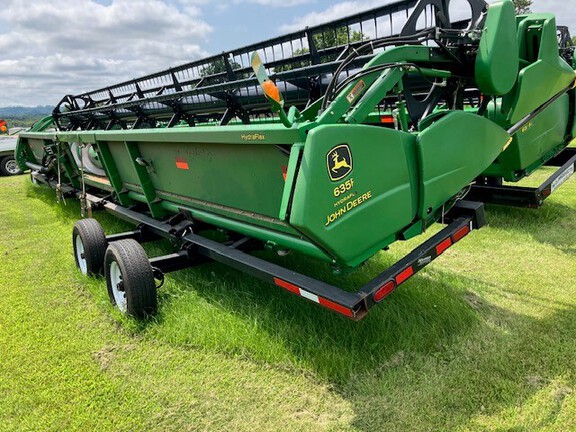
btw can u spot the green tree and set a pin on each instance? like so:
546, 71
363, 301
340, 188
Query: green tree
574, 40
522, 6
342, 36
217, 66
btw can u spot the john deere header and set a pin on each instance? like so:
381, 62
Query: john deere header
335, 141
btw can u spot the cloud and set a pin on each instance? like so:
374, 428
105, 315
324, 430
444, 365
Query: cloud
275, 3
564, 10
54, 47
49, 48
332, 13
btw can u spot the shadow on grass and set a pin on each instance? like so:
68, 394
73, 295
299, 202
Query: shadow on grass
421, 316
513, 373
553, 224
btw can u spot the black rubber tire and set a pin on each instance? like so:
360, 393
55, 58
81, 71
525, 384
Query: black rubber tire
94, 241
137, 277
4, 166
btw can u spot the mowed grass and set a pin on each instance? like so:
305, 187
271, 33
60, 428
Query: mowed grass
483, 339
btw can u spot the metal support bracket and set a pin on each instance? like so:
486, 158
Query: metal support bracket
519, 196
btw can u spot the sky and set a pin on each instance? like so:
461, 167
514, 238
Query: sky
50, 48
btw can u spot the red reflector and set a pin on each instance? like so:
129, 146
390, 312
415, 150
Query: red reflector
182, 163
404, 275
443, 246
284, 171
287, 286
462, 232
384, 291
387, 119
335, 307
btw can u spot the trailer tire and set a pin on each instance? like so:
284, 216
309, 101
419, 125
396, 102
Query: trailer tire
9, 166
89, 243
130, 279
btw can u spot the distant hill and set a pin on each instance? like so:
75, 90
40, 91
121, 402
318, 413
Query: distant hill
20, 111
24, 117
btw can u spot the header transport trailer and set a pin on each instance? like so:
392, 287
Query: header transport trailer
388, 128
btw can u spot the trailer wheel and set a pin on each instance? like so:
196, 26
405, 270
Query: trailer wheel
89, 242
130, 279
9, 166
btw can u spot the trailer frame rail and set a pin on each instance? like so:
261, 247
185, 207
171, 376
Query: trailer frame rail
531, 197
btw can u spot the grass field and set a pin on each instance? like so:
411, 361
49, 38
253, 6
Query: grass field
482, 339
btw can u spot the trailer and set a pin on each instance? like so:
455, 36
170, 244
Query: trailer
388, 129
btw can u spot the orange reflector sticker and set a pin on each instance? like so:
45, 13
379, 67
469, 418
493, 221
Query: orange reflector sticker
462, 232
387, 119
284, 171
443, 246
404, 275
182, 164
287, 286
335, 307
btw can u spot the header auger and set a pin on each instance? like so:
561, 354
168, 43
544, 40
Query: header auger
334, 142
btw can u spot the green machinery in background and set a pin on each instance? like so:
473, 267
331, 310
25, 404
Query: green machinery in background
387, 131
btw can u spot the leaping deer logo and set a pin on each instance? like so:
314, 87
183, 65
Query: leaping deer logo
339, 163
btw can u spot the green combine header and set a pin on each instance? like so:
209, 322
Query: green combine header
335, 142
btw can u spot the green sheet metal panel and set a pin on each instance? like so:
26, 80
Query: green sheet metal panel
452, 153
534, 144
356, 189
247, 177
234, 134
497, 61
545, 76
123, 163
238, 167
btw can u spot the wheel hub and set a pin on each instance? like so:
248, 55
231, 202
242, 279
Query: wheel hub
117, 285
12, 167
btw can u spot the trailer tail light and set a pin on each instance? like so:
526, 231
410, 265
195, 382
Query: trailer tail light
384, 291
313, 297
387, 119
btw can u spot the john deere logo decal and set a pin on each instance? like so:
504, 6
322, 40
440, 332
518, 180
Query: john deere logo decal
339, 162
